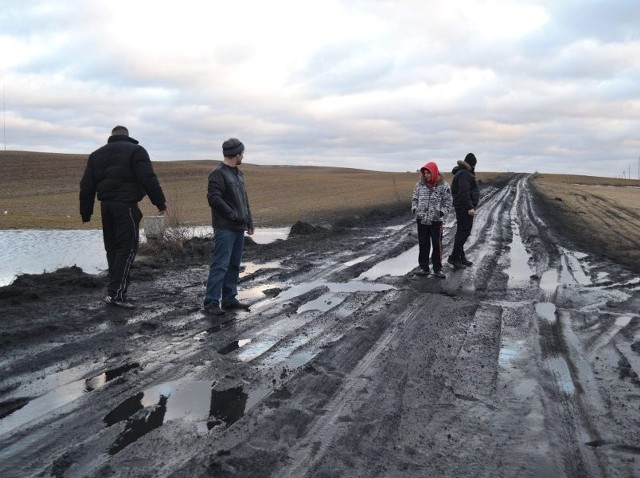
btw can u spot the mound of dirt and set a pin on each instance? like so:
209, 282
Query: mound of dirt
301, 228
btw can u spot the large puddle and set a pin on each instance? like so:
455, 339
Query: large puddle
195, 402
36, 251
519, 270
396, 266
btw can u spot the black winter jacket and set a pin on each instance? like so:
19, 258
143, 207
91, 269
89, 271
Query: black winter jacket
228, 199
120, 171
464, 187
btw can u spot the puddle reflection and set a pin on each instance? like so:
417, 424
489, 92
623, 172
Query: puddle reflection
396, 266
519, 271
549, 282
560, 370
197, 402
99, 381
23, 410
509, 353
547, 310
235, 345
37, 251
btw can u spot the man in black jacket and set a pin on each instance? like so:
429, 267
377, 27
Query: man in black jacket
121, 174
466, 197
230, 217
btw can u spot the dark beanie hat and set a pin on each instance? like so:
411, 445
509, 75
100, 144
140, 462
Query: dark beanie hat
232, 147
471, 160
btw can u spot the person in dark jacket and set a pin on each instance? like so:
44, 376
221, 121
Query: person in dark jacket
121, 174
230, 217
466, 196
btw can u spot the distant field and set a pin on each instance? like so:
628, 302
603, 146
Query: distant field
600, 214
40, 190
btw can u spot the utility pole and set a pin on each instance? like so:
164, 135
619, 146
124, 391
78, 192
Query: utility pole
4, 118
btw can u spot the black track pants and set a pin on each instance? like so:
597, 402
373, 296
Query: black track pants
430, 235
120, 231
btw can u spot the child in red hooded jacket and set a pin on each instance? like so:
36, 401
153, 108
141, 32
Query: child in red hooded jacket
430, 203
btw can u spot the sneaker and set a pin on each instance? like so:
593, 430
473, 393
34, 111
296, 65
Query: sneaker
439, 275
466, 262
423, 273
213, 310
235, 305
125, 304
457, 264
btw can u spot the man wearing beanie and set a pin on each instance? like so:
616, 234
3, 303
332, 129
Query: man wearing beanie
466, 196
121, 174
231, 217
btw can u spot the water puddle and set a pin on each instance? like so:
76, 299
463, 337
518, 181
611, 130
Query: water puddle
620, 323
396, 228
396, 266
572, 270
357, 260
509, 353
324, 303
338, 291
560, 371
51, 401
263, 340
549, 282
100, 380
290, 356
266, 235
572, 261
235, 345
547, 311
252, 267
519, 270
194, 401
261, 235
37, 251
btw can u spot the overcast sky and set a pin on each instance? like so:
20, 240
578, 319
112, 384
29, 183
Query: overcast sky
540, 85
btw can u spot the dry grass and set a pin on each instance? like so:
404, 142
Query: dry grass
601, 214
40, 190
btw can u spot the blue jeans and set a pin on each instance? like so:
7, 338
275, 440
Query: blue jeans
224, 271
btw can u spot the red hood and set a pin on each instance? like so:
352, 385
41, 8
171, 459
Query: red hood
433, 169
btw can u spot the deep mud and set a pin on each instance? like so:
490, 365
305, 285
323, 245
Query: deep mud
525, 364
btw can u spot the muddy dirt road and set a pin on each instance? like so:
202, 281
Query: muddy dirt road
525, 364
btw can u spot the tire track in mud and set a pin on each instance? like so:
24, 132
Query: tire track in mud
156, 365
570, 394
453, 377
476, 375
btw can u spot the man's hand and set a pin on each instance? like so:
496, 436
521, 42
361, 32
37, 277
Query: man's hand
471, 212
163, 212
250, 231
